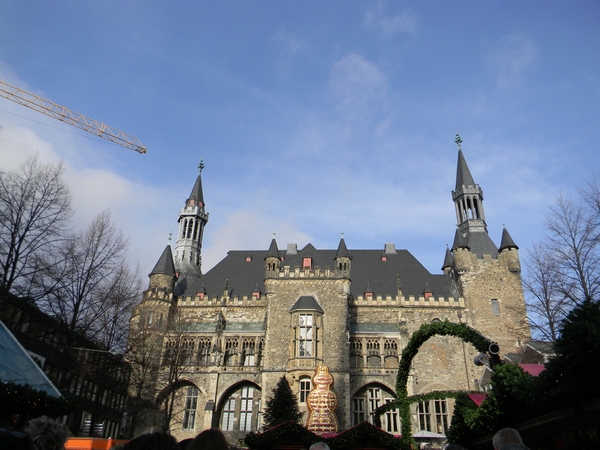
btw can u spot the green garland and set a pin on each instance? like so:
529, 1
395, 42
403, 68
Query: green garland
419, 337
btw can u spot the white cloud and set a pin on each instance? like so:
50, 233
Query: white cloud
405, 22
511, 57
358, 85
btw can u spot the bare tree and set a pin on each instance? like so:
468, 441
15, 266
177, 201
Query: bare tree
90, 287
563, 270
546, 305
144, 357
35, 213
178, 358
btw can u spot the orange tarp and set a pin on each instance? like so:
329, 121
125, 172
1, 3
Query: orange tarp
92, 443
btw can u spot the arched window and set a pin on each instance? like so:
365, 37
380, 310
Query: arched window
240, 410
368, 399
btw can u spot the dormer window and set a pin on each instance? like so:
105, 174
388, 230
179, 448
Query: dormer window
384, 258
256, 294
369, 295
306, 263
248, 258
200, 295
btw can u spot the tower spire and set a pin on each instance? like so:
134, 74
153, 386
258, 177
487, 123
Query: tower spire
468, 197
192, 219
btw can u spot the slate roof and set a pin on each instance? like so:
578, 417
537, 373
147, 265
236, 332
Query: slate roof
481, 244
463, 174
367, 268
165, 263
306, 303
197, 193
507, 241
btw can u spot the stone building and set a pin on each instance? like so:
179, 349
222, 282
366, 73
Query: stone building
222, 339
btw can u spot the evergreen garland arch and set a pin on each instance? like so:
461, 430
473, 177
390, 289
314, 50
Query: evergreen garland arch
426, 331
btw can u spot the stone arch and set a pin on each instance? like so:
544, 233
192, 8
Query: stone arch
224, 398
167, 390
372, 381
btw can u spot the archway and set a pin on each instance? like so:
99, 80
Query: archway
238, 409
166, 400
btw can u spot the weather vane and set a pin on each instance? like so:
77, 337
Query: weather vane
458, 140
201, 165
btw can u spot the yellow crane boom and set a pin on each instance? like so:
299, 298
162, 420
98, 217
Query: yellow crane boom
64, 114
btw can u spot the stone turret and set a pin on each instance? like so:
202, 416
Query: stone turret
487, 277
509, 252
342, 260
272, 260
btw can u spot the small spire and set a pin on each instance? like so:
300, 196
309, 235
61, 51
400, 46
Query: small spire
457, 140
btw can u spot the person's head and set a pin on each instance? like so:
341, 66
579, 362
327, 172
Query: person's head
211, 439
506, 436
319, 446
47, 434
152, 441
15, 440
185, 443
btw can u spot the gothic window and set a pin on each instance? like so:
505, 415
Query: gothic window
424, 416
392, 420
227, 419
170, 352
373, 355
150, 318
495, 307
187, 352
247, 401
367, 400
358, 411
305, 386
249, 358
356, 354
204, 352
390, 348
191, 403
231, 350
433, 416
241, 409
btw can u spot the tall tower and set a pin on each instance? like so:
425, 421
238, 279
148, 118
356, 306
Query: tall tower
188, 248
488, 278
468, 202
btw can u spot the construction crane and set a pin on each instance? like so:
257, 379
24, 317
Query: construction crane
65, 115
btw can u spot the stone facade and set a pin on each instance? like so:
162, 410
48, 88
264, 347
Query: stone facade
258, 315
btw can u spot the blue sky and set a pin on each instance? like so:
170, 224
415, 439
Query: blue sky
313, 118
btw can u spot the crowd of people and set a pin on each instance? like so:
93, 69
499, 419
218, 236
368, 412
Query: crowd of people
47, 434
